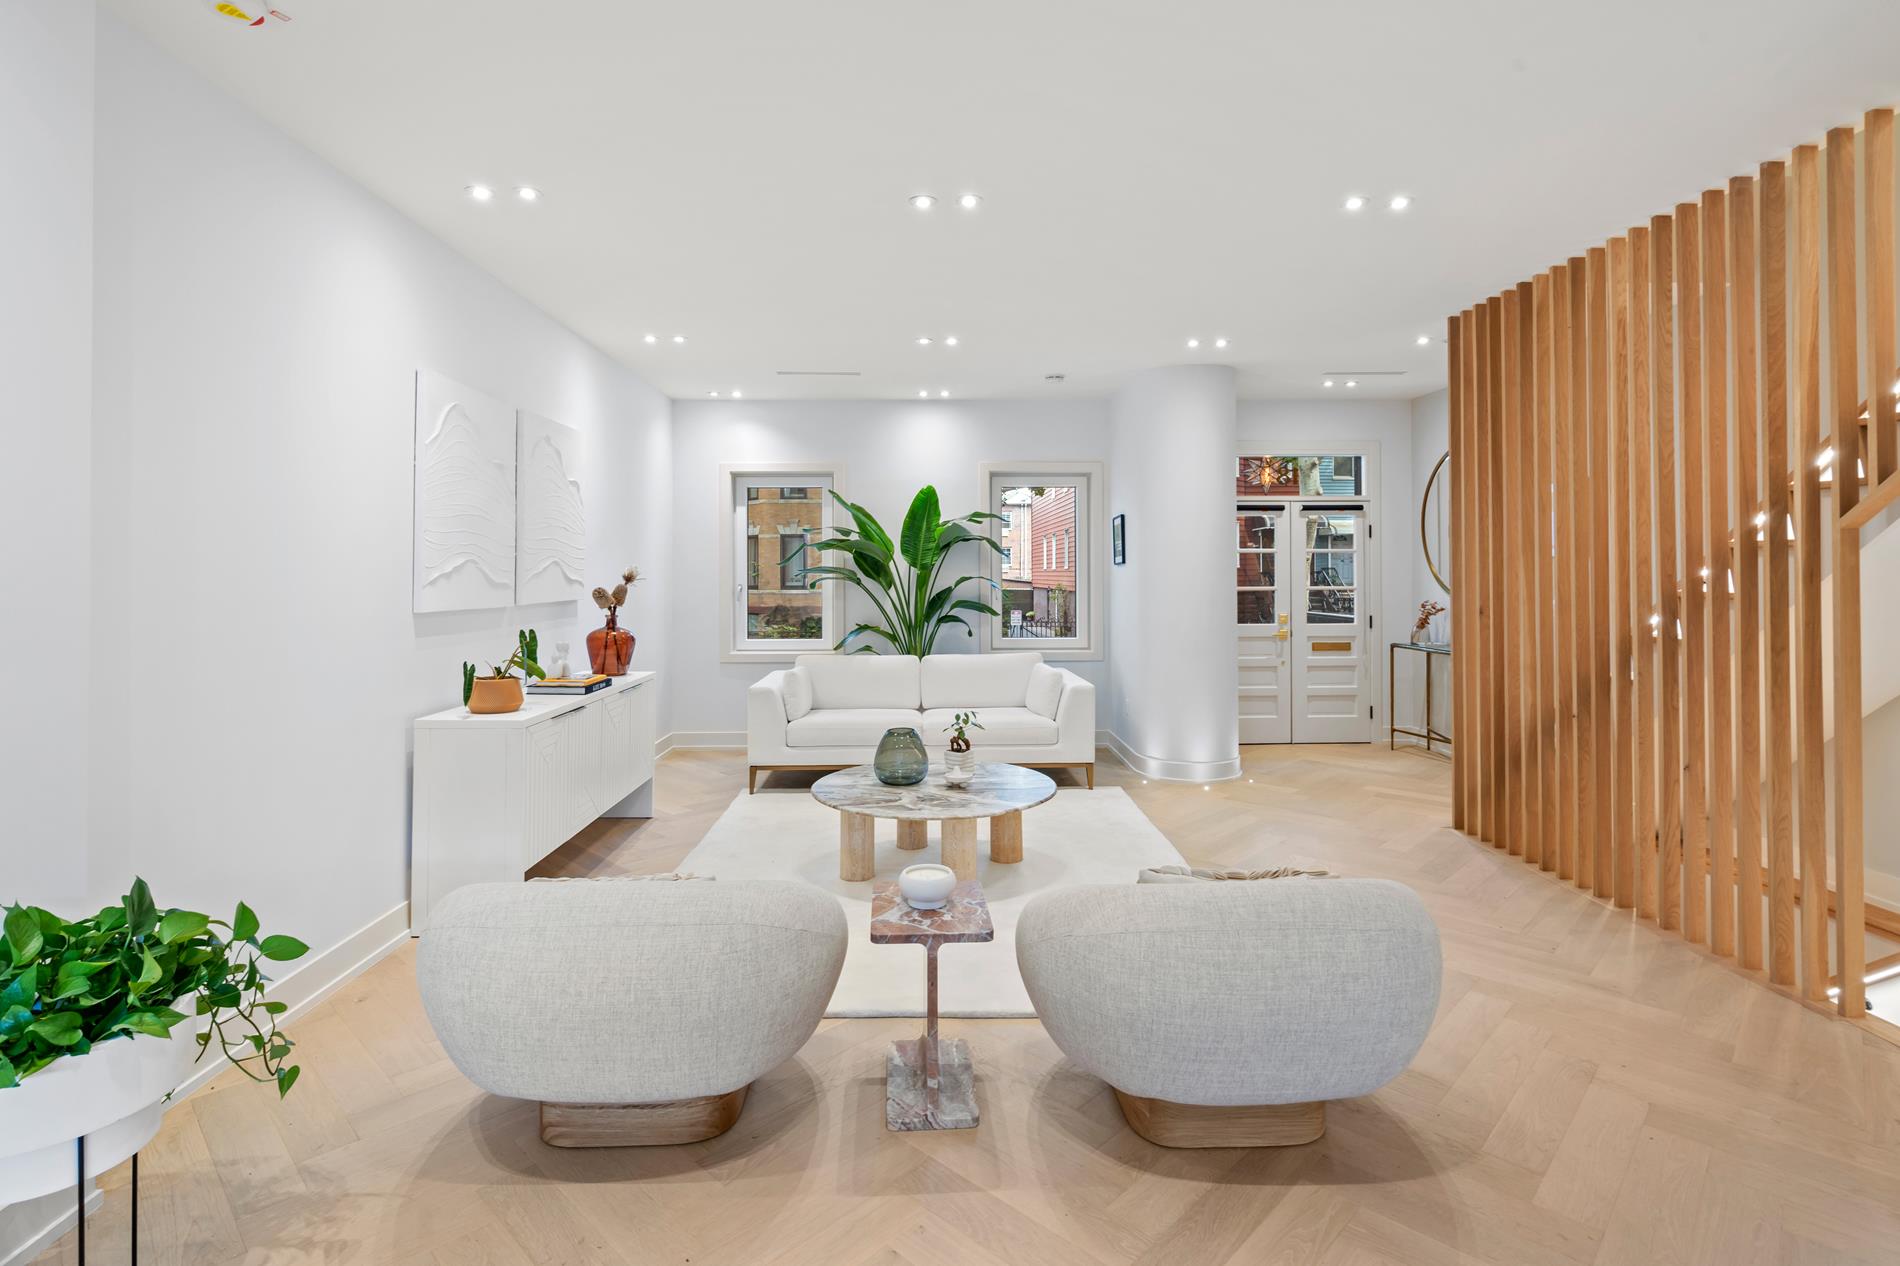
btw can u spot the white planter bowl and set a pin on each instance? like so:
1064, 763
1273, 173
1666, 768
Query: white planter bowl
927, 885
959, 768
114, 1095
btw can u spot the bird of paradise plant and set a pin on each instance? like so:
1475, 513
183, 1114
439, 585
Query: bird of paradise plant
900, 576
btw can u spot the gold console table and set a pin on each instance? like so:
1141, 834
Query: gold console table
1427, 649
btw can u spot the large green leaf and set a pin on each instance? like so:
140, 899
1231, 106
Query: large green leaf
243, 923
23, 935
141, 916
181, 925
61, 1028
283, 948
919, 542
867, 523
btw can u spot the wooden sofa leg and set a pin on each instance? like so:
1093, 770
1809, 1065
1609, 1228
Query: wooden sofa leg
752, 780
1091, 775
640, 1124
1196, 1125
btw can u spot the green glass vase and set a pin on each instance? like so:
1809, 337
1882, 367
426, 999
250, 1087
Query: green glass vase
901, 760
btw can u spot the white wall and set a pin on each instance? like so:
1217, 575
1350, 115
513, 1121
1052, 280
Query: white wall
1431, 438
889, 450
260, 322
1381, 429
1175, 710
46, 89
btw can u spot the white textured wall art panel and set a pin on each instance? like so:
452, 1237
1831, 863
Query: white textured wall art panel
550, 523
465, 497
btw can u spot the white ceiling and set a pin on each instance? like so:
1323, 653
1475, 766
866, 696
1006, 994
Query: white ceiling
739, 171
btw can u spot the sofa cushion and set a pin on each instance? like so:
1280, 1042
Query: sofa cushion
978, 681
861, 681
1002, 727
1045, 691
797, 692
847, 727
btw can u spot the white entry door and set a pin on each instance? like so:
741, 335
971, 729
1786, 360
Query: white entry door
1262, 628
1332, 690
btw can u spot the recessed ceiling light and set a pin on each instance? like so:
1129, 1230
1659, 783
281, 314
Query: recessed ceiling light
1424, 340
943, 395
1399, 202
679, 338
481, 193
923, 395
950, 341
1220, 342
1194, 342
969, 201
528, 193
1351, 382
652, 338
925, 341
1355, 202
738, 395
713, 394
922, 201
1327, 383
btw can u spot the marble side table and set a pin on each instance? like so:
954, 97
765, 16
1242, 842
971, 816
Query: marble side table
929, 1082
996, 791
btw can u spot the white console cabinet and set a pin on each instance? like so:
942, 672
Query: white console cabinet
496, 794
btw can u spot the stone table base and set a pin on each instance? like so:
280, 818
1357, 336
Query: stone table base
909, 1103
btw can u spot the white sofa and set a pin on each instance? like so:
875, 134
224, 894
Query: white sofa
829, 711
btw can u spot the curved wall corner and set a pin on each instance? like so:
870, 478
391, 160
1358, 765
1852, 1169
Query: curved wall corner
1171, 605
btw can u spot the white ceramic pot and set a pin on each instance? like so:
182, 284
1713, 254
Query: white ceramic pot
926, 886
959, 768
113, 1095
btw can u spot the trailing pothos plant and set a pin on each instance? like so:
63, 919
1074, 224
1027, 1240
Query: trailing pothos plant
900, 576
66, 986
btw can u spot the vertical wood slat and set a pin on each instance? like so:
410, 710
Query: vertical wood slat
1810, 737
1562, 477
1597, 538
1462, 574
1720, 584
1543, 351
1777, 669
1667, 614
1484, 539
1494, 429
1642, 579
1883, 358
1523, 475
1577, 554
1511, 545
1623, 793
1748, 696
1695, 823
1844, 398
1471, 649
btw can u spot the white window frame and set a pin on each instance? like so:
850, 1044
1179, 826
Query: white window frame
1088, 552
734, 478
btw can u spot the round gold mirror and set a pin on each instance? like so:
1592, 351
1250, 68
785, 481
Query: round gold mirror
1432, 520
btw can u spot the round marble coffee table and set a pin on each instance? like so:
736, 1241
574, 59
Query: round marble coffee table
997, 792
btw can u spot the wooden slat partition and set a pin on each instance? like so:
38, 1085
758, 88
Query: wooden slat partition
1461, 568
1748, 693
1638, 515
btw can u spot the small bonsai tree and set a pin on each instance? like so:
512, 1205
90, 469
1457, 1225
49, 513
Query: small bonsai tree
959, 730
527, 652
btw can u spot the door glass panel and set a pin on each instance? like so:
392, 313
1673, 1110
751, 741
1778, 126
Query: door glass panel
1255, 606
1332, 571
1256, 534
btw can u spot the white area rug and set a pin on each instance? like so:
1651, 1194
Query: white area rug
1080, 837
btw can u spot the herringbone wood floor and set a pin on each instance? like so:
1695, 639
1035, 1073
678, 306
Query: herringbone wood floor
1594, 1092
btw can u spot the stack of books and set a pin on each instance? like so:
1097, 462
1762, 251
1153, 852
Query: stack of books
568, 685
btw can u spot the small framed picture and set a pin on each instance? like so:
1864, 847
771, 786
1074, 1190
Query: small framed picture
1118, 538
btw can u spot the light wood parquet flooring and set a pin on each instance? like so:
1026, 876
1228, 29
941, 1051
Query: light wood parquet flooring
1594, 1091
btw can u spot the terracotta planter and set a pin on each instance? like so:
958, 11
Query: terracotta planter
610, 649
495, 694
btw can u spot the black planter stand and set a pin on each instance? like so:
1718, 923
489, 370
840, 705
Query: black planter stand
80, 1143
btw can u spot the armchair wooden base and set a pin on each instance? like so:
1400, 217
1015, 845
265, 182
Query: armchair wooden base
640, 1124
1197, 1125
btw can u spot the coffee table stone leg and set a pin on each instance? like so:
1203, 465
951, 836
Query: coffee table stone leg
1006, 837
959, 846
857, 853
912, 835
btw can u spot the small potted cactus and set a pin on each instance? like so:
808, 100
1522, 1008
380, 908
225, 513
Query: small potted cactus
500, 690
959, 767
610, 647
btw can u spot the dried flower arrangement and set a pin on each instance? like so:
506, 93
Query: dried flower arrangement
612, 601
1426, 610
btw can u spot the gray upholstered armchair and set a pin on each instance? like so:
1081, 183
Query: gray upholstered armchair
1226, 1014
636, 1012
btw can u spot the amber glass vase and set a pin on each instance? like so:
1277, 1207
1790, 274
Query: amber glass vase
610, 648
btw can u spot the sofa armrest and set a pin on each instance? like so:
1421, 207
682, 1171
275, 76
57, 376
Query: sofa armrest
1075, 714
765, 718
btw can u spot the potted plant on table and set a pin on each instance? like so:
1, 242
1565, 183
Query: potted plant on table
87, 1013
500, 690
959, 767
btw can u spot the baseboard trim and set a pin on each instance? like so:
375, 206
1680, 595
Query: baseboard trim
1168, 770
39, 1241
704, 741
